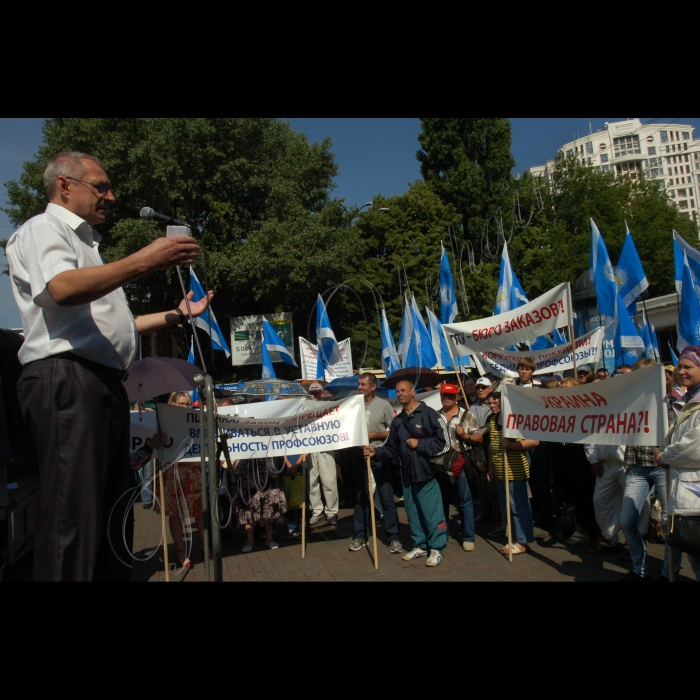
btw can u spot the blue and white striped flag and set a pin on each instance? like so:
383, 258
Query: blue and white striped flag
328, 349
510, 294
390, 358
268, 371
603, 276
420, 349
681, 248
437, 338
406, 333
629, 275
689, 321
273, 343
448, 297
207, 321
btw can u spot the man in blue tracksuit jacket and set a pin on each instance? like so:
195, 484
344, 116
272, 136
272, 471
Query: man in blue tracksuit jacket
417, 435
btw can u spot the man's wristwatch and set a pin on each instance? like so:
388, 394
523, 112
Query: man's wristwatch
181, 317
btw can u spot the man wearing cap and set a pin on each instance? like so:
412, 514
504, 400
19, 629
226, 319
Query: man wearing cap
322, 475
379, 415
583, 374
453, 416
474, 437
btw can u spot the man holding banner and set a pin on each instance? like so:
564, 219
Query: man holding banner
416, 436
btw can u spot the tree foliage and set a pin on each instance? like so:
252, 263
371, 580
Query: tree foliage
257, 194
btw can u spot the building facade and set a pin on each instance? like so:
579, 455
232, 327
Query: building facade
665, 153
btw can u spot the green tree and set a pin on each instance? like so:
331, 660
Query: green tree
257, 194
468, 163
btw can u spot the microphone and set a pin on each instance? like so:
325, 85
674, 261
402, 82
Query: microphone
150, 215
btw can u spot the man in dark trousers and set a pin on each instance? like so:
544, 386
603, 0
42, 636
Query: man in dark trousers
80, 339
416, 436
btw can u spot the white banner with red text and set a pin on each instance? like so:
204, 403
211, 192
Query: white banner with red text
504, 363
322, 426
625, 410
544, 314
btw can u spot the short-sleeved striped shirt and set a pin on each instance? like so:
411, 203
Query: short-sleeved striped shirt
518, 464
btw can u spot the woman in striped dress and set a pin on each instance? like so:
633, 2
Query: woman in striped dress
518, 474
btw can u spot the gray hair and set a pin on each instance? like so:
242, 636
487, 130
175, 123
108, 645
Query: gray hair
68, 164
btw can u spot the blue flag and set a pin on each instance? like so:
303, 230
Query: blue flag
268, 371
603, 277
406, 333
448, 297
541, 343
328, 350
645, 335
273, 343
559, 337
628, 345
681, 248
390, 358
689, 324
190, 357
629, 275
420, 349
674, 358
655, 341
439, 343
207, 321
510, 294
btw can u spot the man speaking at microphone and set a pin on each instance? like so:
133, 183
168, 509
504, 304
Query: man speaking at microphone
80, 338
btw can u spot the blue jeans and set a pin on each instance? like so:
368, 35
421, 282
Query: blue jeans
426, 518
638, 482
466, 504
520, 513
361, 515
147, 483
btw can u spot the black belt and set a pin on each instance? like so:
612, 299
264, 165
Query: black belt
119, 374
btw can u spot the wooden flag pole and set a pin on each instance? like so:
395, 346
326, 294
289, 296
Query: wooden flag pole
161, 488
669, 527
572, 340
303, 508
371, 505
508, 523
457, 373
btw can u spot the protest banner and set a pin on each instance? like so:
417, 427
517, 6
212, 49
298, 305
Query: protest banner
626, 410
504, 363
142, 427
543, 315
309, 354
323, 426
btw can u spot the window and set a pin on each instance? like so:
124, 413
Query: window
682, 193
683, 204
670, 172
687, 168
651, 150
604, 158
570, 152
626, 145
664, 136
692, 203
697, 166
668, 149
673, 192
685, 135
589, 148
686, 157
662, 182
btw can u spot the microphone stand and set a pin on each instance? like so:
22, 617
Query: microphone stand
210, 488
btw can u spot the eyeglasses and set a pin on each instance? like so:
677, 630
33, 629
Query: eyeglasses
449, 397
101, 188
482, 388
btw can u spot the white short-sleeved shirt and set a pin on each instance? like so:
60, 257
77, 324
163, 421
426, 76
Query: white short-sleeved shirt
102, 331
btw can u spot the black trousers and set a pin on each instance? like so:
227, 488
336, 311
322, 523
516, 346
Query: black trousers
79, 420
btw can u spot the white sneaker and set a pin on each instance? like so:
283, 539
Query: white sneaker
434, 559
415, 553
272, 545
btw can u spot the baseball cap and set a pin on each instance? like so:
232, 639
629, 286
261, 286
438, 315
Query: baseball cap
483, 381
449, 389
584, 368
670, 368
315, 387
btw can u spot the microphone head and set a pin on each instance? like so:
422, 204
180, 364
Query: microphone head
146, 213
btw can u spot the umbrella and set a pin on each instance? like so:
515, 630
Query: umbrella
159, 375
272, 387
342, 384
420, 376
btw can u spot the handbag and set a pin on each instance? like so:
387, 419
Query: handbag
684, 533
293, 489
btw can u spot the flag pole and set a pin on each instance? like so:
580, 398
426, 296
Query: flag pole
571, 328
457, 374
163, 520
371, 506
303, 508
646, 321
509, 529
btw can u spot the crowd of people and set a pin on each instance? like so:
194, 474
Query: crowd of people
612, 498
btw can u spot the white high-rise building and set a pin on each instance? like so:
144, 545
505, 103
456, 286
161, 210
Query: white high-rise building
666, 153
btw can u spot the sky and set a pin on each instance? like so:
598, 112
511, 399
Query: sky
375, 156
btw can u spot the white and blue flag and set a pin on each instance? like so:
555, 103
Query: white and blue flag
406, 333
689, 322
437, 338
448, 297
390, 358
510, 294
273, 343
328, 349
268, 371
207, 321
420, 349
681, 248
629, 275
603, 277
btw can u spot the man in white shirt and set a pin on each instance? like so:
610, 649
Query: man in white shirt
80, 338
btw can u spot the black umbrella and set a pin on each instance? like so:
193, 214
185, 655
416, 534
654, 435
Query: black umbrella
420, 376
